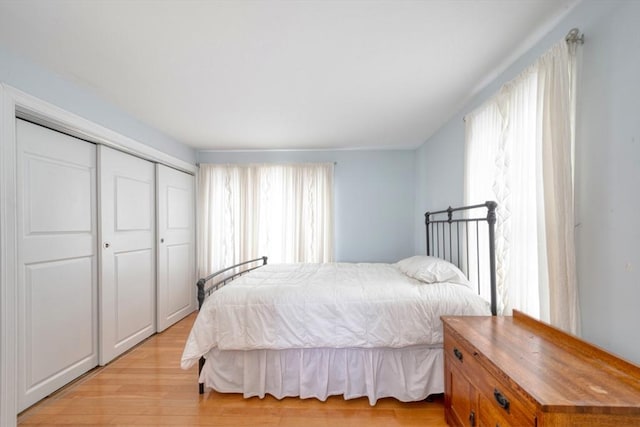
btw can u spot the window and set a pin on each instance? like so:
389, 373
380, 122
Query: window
282, 211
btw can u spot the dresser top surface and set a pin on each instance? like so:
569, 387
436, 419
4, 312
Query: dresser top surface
557, 370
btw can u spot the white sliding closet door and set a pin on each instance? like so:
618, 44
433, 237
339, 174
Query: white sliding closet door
57, 266
127, 252
176, 245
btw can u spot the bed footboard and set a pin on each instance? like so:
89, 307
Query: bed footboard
204, 292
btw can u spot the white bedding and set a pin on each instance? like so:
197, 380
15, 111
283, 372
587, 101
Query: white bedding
290, 306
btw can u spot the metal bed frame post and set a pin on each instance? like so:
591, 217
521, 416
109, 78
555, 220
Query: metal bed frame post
491, 221
449, 218
426, 226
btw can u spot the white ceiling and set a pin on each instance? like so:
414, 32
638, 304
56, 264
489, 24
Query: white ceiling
280, 74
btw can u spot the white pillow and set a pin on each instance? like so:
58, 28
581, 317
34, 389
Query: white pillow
429, 269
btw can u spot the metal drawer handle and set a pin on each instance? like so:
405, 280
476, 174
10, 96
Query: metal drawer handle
458, 354
472, 419
502, 401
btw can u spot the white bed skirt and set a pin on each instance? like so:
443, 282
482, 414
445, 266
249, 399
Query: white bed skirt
407, 374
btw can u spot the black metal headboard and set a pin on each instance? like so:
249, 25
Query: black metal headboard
465, 238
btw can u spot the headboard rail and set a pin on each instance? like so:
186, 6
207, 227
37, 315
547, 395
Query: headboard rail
465, 236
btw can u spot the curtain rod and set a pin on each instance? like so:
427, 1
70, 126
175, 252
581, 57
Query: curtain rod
574, 36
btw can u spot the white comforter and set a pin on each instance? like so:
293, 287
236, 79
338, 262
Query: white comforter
326, 305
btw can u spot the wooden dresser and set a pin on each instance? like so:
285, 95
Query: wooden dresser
517, 371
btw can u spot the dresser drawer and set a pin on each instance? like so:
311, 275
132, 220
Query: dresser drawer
462, 355
500, 406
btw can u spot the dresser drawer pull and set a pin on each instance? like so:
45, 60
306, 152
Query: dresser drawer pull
502, 401
472, 419
458, 354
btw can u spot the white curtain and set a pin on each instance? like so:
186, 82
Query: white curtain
556, 89
249, 210
518, 152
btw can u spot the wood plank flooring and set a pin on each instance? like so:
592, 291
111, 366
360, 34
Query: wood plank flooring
147, 387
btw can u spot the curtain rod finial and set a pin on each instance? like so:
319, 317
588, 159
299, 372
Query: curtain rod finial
574, 36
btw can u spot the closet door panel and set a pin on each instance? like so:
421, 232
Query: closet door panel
57, 275
176, 245
132, 204
133, 280
178, 271
69, 185
127, 253
56, 333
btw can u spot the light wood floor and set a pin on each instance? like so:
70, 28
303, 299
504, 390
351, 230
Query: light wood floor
147, 387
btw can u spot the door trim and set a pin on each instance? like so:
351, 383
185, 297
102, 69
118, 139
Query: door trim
8, 263
15, 103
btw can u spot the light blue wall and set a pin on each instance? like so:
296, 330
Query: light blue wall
47, 86
608, 181
439, 176
607, 168
373, 198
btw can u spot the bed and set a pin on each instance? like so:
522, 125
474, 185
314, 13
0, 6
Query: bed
351, 329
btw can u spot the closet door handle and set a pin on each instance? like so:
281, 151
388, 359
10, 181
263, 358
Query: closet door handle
106, 245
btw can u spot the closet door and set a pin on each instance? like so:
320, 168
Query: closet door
176, 245
57, 268
127, 252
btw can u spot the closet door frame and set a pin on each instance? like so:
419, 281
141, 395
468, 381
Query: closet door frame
15, 103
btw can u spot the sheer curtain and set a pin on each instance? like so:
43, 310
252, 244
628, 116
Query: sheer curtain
282, 211
518, 151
